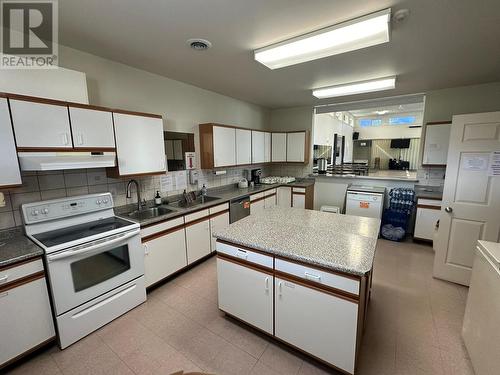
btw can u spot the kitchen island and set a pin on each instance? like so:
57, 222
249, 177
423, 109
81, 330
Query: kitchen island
301, 276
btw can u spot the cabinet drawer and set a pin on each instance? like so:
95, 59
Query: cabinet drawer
13, 273
321, 277
161, 227
269, 192
196, 216
219, 208
247, 255
429, 202
256, 196
299, 190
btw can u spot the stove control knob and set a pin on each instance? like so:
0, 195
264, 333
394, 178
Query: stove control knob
45, 211
98, 202
105, 201
34, 212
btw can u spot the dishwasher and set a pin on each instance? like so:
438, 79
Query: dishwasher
365, 201
239, 208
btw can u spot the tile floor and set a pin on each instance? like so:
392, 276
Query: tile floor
413, 327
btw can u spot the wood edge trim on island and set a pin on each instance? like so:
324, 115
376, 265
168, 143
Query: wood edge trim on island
27, 352
21, 281
20, 263
428, 206
339, 293
245, 247
245, 263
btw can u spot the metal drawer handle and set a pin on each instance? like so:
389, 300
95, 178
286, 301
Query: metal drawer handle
267, 283
4, 294
280, 285
3, 279
242, 254
310, 276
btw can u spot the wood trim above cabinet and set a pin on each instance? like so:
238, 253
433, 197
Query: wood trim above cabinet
133, 113
115, 173
206, 146
35, 99
90, 106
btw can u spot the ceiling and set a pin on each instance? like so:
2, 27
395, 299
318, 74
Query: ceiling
444, 43
388, 110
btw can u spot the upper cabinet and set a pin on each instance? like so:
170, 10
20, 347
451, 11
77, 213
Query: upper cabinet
437, 138
243, 147
92, 128
40, 125
9, 164
278, 153
258, 147
267, 147
140, 148
297, 147
217, 146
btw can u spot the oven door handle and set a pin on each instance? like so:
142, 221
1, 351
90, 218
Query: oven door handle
88, 249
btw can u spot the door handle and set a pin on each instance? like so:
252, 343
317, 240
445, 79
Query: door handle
146, 249
310, 276
267, 283
80, 138
64, 137
280, 287
449, 209
3, 279
241, 254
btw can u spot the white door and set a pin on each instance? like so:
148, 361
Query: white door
256, 207
258, 147
298, 201
39, 125
198, 240
295, 148
278, 147
243, 147
224, 146
436, 143
139, 144
92, 128
9, 165
164, 256
246, 294
471, 199
330, 332
425, 222
284, 196
218, 223
267, 147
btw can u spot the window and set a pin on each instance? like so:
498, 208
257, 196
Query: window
366, 122
404, 120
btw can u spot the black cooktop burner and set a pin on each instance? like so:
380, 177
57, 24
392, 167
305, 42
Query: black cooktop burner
77, 232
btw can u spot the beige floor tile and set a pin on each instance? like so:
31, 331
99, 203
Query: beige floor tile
281, 359
233, 361
203, 348
456, 364
262, 369
43, 364
315, 368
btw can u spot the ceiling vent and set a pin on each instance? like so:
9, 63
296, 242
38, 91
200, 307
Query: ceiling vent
199, 44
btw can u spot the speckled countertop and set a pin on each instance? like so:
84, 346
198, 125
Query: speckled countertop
16, 247
225, 194
340, 242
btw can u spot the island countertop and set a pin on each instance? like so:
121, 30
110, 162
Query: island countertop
342, 243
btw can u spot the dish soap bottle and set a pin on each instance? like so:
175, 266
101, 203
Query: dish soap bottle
157, 198
204, 191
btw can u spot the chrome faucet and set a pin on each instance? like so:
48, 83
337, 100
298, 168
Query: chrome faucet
129, 193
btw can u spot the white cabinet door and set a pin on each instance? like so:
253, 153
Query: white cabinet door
26, 319
256, 207
218, 223
139, 144
426, 222
284, 196
270, 202
164, 256
267, 147
437, 139
224, 146
278, 147
39, 125
9, 165
298, 201
243, 147
295, 147
258, 147
198, 240
92, 128
246, 294
330, 332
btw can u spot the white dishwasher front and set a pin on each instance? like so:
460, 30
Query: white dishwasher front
360, 203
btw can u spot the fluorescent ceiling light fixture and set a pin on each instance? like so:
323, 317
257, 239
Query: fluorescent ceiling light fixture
347, 36
378, 84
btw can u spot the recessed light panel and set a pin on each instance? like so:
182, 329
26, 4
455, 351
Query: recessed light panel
359, 33
379, 84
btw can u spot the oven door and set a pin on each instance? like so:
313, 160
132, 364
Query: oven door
81, 273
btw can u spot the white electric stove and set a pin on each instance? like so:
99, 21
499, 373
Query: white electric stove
94, 261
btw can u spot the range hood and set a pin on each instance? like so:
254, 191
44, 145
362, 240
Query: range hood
51, 161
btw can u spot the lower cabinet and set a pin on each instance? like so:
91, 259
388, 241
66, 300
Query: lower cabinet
198, 240
256, 206
428, 213
270, 198
164, 256
284, 196
328, 323
298, 200
246, 293
217, 223
25, 310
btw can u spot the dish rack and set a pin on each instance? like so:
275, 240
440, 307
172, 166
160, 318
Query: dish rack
276, 180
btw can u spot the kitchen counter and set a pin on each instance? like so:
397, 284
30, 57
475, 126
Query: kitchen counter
385, 177
339, 242
428, 192
16, 247
225, 194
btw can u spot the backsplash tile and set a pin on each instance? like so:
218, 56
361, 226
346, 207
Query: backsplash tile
48, 182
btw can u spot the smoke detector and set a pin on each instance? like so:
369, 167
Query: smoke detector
401, 15
199, 44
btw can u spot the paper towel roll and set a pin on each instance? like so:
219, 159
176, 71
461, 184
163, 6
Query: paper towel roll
2, 200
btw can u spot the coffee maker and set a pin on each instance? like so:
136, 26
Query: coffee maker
255, 176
